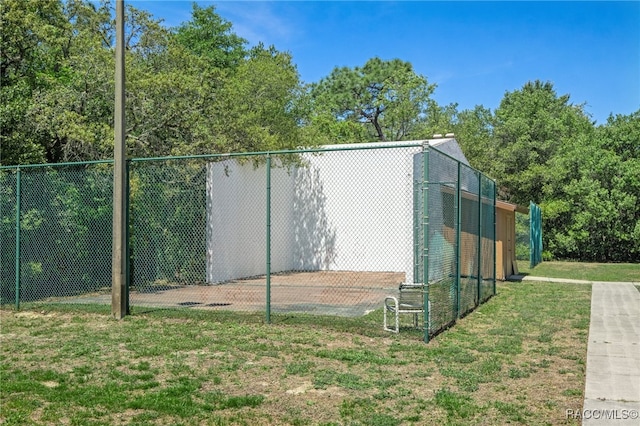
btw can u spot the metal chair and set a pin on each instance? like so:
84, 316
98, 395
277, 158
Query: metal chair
410, 300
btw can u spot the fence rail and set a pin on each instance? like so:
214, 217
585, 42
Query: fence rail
318, 231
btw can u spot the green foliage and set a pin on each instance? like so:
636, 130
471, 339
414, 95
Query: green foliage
67, 207
542, 148
198, 89
30, 53
593, 208
385, 97
192, 90
168, 239
254, 108
531, 126
620, 135
474, 132
210, 36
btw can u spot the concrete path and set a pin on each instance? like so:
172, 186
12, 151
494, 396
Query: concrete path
552, 280
612, 391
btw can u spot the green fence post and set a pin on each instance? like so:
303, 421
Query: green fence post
458, 210
495, 194
417, 188
478, 297
425, 240
18, 190
127, 240
268, 307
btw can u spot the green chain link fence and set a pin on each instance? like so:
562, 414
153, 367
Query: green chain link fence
61, 245
459, 239
330, 231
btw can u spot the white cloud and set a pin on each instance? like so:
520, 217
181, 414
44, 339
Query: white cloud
258, 21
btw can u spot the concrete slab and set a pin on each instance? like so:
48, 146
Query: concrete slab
553, 280
620, 365
631, 351
612, 387
612, 390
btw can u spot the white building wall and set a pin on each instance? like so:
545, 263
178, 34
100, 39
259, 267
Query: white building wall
236, 221
341, 210
367, 213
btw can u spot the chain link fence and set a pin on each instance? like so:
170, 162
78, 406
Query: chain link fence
60, 247
331, 231
523, 238
459, 240
327, 232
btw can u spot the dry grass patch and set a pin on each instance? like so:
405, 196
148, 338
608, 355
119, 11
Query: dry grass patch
520, 358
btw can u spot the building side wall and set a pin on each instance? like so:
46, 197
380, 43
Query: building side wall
505, 243
236, 221
338, 211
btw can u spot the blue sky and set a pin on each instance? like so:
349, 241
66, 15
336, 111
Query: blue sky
473, 51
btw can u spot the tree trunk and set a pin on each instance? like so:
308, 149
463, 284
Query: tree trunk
378, 128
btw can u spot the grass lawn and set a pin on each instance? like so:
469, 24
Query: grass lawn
519, 359
629, 272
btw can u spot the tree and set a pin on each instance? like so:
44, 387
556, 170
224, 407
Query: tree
73, 112
210, 36
57, 75
190, 90
386, 97
254, 110
31, 46
541, 147
530, 126
592, 210
474, 132
621, 134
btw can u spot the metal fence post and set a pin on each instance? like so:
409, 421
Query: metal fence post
478, 297
535, 234
425, 240
458, 213
268, 238
418, 186
127, 240
495, 194
18, 190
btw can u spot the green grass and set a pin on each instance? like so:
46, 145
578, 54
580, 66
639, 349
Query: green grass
629, 272
520, 359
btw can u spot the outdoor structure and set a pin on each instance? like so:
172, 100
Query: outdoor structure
331, 230
506, 264
318, 228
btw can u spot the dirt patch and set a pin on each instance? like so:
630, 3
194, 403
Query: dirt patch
345, 293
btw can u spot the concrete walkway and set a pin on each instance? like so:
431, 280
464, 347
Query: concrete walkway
612, 391
550, 280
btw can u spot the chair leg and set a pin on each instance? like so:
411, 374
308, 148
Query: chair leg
386, 325
384, 321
